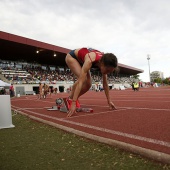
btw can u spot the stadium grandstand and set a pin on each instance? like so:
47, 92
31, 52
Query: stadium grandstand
25, 62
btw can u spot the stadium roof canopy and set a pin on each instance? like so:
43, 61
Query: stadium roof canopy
17, 48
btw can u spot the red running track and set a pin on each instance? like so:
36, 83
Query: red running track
140, 124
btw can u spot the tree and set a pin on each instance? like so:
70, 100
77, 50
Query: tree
158, 80
135, 76
166, 81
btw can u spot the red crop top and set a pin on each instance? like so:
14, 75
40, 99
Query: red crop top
83, 51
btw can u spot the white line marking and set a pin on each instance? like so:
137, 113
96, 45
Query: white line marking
92, 114
142, 101
27, 108
140, 138
140, 108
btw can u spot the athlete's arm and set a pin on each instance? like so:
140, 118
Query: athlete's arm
106, 89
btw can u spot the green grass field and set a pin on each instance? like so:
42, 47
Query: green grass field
36, 146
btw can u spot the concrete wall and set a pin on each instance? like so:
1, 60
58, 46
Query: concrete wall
29, 87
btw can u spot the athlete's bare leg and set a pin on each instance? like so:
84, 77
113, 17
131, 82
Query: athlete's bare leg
76, 69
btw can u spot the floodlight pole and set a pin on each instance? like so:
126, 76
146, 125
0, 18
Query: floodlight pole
148, 58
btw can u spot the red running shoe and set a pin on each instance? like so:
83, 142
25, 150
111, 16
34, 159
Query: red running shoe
77, 104
69, 102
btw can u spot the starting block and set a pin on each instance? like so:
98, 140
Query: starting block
62, 106
53, 108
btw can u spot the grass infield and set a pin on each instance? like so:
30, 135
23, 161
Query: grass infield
36, 146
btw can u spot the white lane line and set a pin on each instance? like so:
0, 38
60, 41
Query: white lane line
155, 101
127, 135
136, 108
142, 108
92, 114
104, 112
28, 108
34, 100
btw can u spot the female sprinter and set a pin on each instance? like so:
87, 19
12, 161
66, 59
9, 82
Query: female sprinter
80, 61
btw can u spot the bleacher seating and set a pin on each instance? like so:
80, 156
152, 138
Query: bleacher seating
26, 73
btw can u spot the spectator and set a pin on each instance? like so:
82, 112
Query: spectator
11, 89
40, 91
46, 88
2, 91
136, 86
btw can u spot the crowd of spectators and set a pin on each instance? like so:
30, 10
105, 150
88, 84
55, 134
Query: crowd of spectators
23, 73
2, 91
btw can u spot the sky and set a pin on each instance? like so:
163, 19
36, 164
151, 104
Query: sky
131, 29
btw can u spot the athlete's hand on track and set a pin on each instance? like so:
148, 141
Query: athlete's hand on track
112, 106
72, 110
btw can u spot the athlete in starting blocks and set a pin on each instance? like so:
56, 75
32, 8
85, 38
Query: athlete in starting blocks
80, 61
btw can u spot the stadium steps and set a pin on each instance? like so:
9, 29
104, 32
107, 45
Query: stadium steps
3, 78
